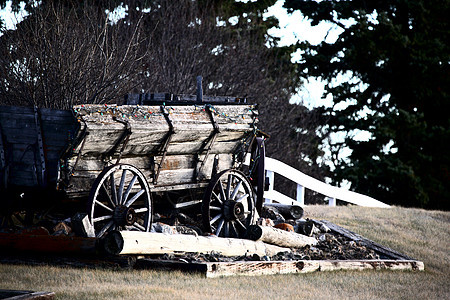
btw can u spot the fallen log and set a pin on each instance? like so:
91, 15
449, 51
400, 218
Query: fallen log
137, 242
279, 237
287, 211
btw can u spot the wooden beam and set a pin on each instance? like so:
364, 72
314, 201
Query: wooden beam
256, 268
137, 242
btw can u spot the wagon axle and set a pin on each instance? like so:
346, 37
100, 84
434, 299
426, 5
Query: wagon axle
233, 210
124, 216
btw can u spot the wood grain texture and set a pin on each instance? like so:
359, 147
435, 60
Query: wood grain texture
279, 237
136, 242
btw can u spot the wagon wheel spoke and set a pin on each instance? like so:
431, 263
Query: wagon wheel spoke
236, 233
113, 189
226, 229
107, 217
141, 210
236, 190
104, 206
129, 188
222, 192
138, 226
105, 191
227, 201
240, 224
229, 182
214, 220
242, 198
104, 229
135, 197
110, 207
219, 227
216, 197
121, 186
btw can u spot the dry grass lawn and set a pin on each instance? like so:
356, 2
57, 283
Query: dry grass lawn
418, 233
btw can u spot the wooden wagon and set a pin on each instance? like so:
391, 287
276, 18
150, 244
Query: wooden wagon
116, 163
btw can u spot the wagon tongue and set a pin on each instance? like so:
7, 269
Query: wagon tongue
124, 216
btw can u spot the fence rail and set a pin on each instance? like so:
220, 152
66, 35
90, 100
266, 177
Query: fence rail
304, 181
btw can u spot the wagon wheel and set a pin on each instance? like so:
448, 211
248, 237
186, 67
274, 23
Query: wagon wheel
257, 170
228, 204
120, 199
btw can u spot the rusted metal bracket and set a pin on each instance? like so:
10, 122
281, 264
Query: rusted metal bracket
207, 144
79, 141
165, 144
123, 139
40, 144
79, 154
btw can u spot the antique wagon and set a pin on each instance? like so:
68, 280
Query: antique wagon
116, 163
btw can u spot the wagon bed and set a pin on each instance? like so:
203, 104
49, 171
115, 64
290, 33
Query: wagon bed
179, 145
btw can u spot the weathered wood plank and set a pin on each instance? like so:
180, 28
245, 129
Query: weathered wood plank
257, 268
220, 269
279, 237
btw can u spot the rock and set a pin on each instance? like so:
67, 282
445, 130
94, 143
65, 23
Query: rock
162, 228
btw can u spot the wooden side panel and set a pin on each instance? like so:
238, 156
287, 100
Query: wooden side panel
193, 128
176, 170
20, 134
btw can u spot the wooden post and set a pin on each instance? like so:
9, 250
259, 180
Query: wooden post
331, 201
270, 176
279, 237
138, 242
300, 195
199, 89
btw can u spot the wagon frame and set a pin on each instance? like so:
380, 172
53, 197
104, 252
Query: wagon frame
113, 161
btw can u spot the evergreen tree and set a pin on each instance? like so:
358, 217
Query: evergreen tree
397, 55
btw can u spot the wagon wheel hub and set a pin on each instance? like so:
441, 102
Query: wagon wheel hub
233, 210
124, 216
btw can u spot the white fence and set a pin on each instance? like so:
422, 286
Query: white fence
304, 181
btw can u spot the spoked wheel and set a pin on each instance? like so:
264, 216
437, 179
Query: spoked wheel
228, 204
120, 200
257, 170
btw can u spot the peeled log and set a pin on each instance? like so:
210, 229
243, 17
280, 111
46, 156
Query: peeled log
287, 211
279, 237
138, 242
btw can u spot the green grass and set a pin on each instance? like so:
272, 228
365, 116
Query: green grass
418, 233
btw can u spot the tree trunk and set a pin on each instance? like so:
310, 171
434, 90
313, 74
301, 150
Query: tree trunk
137, 242
279, 237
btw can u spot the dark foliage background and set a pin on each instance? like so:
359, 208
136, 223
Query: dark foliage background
69, 52
395, 54
399, 51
